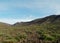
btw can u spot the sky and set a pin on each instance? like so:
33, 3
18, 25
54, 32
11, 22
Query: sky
12, 11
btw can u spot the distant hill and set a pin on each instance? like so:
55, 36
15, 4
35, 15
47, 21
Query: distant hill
48, 19
4, 24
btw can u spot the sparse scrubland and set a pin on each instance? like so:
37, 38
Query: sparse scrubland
42, 30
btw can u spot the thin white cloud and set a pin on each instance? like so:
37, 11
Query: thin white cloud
32, 4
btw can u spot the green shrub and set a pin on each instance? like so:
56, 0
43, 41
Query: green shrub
20, 36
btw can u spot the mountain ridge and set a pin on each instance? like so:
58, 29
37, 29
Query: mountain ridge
51, 19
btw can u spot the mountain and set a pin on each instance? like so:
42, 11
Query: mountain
48, 19
41, 30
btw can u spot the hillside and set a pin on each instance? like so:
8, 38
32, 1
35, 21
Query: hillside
49, 19
41, 30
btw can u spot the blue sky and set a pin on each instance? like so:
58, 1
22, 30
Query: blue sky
12, 11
